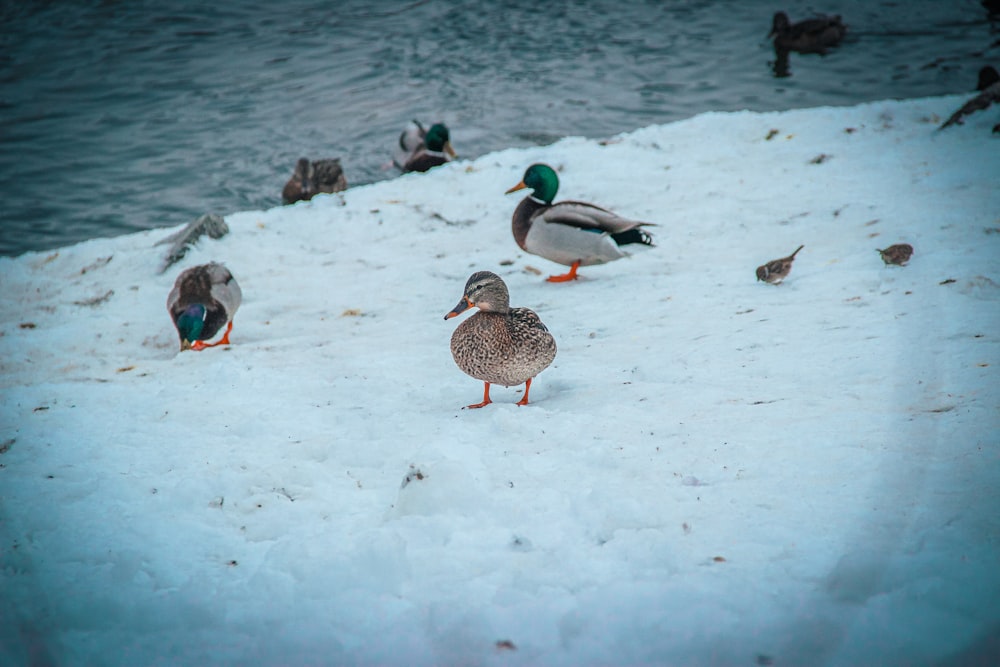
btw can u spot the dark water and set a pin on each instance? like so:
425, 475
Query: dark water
122, 116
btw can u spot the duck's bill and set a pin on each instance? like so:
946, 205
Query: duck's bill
185, 345
519, 186
462, 306
449, 150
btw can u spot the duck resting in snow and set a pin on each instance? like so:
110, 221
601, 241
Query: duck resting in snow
312, 178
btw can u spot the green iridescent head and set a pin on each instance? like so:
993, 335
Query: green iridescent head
190, 324
437, 138
542, 180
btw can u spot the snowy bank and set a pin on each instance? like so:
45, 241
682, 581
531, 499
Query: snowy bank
714, 471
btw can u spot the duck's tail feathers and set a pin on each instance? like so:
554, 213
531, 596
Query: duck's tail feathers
636, 235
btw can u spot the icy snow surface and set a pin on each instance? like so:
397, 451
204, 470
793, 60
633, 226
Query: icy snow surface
714, 471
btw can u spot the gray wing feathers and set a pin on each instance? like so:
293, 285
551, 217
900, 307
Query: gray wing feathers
200, 284
225, 289
174, 296
588, 216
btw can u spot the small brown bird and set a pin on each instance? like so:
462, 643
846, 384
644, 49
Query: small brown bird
897, 254
778, 269
499, 344
312, 178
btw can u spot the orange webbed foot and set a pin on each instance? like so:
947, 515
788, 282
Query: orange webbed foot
200, 345
566, 277
486, 399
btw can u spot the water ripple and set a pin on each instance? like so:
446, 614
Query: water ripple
117, 117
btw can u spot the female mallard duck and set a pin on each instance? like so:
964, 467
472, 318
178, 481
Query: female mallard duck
311, 178
203, 299
499, 344
571, 233
813, 35
421, 149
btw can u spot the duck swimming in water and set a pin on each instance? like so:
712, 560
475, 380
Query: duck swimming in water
420, 149
814, 35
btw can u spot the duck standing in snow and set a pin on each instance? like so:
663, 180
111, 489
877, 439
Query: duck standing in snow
311, 178
499, 344
814, 35
420, 149
989, 85
203, 300
571, 233
777, 270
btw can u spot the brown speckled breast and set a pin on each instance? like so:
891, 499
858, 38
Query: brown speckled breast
507, 349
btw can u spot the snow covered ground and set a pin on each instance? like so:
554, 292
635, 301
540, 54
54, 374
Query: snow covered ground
714, 471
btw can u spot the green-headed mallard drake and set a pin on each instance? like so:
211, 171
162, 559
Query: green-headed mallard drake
989, 85
814, 35
203, 300
572, 233
777, 270
421, 149
499, 344
311, 178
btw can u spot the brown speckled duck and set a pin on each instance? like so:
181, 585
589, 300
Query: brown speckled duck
572, 233
311, 178
499, 344
203, 300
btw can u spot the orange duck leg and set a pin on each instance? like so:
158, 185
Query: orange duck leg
486, 398
566, 277
524, 399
